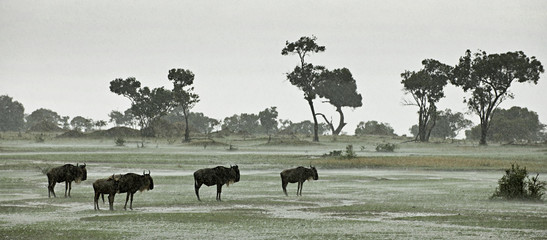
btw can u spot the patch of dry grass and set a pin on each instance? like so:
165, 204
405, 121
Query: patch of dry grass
430, 162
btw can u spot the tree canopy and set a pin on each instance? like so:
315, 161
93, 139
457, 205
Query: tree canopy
509, 125
374, 128
340, 90
488, 77
12, 114
43, 120
268, 119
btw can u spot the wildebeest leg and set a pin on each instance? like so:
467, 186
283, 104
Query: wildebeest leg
96, 201
102, 195
219, 190
284, 186
131, 203
68, 186
50, 188
110, 201
126, 199
301, 186
196, 187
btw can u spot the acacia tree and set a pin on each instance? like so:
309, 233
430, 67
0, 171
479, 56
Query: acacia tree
488, 77
340, 90
183, 94
426, 88
306, 75
146, 105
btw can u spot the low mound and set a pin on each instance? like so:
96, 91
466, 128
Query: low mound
116, 132
71, 134
289, 142
206, 142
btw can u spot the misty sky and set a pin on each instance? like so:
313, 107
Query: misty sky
61, 55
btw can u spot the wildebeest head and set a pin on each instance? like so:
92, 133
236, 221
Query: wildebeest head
315, 175
234, 173
84, 171
148, 181
80, 173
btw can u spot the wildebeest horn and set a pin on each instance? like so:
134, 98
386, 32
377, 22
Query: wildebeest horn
148, 171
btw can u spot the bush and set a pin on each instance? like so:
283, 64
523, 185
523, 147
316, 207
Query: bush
385, 147
120, 142
516, 184
349, 152
334, 153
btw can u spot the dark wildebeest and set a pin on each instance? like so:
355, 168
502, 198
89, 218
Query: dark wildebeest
106, 186
66, 173
215, 176
131, 183
299, 175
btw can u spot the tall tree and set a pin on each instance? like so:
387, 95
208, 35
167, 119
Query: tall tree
183, 94
146, 105
12, 114
426, 88
306, 75
340, 90
488, 77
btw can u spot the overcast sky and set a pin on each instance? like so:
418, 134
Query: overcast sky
62, 55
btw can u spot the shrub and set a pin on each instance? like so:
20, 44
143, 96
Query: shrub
40, 138
385, 147
349, 152
120, 142
516, 184
334, 153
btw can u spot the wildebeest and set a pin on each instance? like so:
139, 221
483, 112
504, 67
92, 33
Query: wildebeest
106, 186
299, 175
215, 176
131, 183
66, 173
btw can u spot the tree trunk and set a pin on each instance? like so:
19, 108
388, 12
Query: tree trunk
484, 131
328, 123
342, 124
315, 124
187, 129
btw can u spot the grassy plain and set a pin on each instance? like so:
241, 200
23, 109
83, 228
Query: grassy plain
420, 191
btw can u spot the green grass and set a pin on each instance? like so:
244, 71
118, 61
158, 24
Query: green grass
421, 191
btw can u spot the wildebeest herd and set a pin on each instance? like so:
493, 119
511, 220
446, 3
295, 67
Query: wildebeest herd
130, 183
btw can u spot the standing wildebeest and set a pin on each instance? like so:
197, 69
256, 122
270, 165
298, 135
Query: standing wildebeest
66, 173
215, 176
131, 183
106, 186
299, 175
